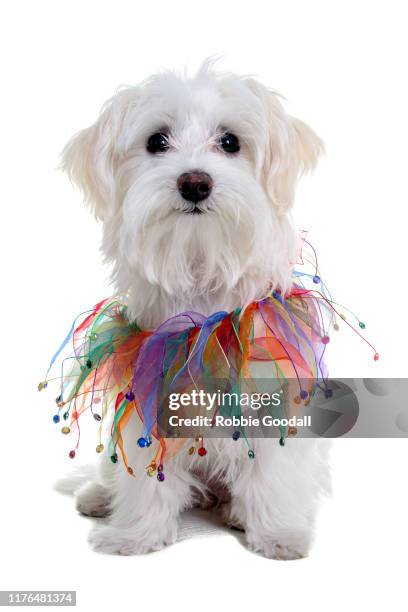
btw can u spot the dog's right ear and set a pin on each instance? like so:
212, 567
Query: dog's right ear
88, 159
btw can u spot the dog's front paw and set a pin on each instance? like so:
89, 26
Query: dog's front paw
129, 540
282, 547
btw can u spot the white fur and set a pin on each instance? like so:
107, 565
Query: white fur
166, 261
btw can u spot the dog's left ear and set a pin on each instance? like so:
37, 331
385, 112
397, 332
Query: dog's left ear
293, 150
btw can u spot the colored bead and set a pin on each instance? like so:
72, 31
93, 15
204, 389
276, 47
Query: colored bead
325, 339
236, 435
89, 364
202, 451
361, 325
56, 418
296, 399
71, 454
130, 471
160, 476
58, 399
376, 357
251, 454
114, 458
75, 415
130, 396
42, 385
65, 415
65, 430
151, 472
336, 327
142, 442
316, 279
93, 336
61, 404
303, 394
292, 431
100, 448
328, 393
97, 416
197, 439
191, 450
282, 441
160, 468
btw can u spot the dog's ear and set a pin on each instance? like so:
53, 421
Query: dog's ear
293, 150
88, 159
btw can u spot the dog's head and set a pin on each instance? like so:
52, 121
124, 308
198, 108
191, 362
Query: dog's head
193, 179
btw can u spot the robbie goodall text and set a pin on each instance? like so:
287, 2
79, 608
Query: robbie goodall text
217, 413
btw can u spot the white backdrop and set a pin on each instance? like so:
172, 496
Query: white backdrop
342, 67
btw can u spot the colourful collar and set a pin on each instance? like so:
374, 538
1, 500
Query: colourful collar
116, 363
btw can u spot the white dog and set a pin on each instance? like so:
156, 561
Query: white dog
194, 179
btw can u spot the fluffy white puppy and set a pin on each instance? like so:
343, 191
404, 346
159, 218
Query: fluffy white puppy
194, 179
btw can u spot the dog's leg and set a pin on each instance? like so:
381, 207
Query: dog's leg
93, 496
143, 511
144, 514
276, 496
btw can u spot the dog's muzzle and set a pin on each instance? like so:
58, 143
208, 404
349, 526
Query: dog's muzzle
195, 186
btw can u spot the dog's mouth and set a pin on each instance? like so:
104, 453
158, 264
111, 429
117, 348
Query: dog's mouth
196, 210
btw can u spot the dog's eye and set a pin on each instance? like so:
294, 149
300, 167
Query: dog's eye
157, 143
229, 143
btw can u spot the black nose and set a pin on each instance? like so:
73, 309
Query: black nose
195, 186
